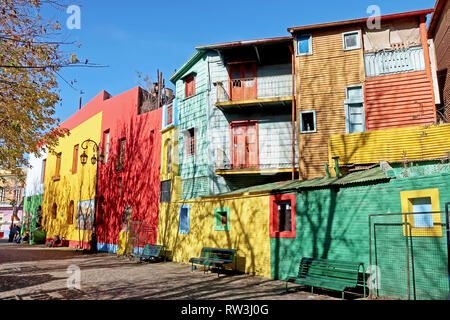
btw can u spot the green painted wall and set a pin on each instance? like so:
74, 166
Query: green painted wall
334, 224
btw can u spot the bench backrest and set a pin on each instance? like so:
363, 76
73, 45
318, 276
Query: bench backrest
152, 250
220, 254
338, 270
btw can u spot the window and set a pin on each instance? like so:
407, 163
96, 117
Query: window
189, 86
75, 159
54, 210
17, 194
165, 191
106, 144
308, 121
120, 155
304, 45
44, 162
355, 119
282, 216
58, 166
244, 144
183, 227
416, 203
222, 219
168, 156
352, 40
190, 142
169, 114
70, 212
2, 194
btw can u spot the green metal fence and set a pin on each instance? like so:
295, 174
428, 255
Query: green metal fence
409, 256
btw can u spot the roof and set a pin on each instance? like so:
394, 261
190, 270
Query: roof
360, 21
243, 43
371, 175
188, 64
438, 10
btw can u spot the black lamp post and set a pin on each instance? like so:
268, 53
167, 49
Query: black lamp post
96, 157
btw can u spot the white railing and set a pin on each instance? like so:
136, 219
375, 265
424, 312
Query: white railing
394, 61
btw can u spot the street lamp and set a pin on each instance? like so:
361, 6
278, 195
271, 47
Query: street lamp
96, 157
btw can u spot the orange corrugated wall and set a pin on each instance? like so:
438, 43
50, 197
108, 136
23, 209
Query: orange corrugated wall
399, 100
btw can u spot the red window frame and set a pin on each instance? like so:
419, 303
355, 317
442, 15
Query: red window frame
75, 159
189, 86
274, 216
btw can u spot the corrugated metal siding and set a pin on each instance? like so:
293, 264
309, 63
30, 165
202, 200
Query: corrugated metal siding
321, 79
400, 100
414, 143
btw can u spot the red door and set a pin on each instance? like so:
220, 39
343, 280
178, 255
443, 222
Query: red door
245, 145
243, 81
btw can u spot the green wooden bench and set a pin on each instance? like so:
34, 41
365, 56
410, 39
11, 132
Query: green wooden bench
150, 252
212, 257
329, 274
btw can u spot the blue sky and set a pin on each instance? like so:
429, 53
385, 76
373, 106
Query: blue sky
146, 35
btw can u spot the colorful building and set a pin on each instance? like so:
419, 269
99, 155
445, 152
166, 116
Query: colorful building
354, 77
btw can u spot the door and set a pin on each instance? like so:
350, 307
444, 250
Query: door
242, 81
355, 117
245, 145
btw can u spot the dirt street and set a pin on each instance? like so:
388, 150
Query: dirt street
36, 272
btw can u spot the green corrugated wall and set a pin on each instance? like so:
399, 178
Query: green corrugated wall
334, 225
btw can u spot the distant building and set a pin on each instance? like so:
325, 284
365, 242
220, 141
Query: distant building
11, 201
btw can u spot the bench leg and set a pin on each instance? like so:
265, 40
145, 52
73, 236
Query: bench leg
287, 290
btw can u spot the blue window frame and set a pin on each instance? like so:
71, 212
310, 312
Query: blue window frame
183, 227
304, 44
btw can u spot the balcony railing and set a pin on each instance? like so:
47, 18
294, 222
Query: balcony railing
394, 61
244, 89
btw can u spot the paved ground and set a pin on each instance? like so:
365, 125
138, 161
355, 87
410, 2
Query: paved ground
36, 272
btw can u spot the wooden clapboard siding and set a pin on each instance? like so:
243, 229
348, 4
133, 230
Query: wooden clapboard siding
321, 79
413, 143
399, 100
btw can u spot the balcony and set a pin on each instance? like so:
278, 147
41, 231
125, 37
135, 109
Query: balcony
254, 91
394, 61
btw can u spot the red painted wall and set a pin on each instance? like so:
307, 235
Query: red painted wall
399, 100
140, 175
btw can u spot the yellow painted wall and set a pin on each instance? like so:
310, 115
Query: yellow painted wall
77, 187
248, 234
321, 79
414, 143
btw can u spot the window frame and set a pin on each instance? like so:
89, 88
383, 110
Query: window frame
218, 226
44, 163
185, 230
274, 216
310, 45
406, 205
106, 142
189, 85
56, 176
169, 192
301, 121
75, 158
349, 101
190, 142
358, 45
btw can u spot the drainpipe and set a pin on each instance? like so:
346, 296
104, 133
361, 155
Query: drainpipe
336, 166
426, 53
291, 48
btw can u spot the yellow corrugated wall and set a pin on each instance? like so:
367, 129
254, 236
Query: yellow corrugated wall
414, 143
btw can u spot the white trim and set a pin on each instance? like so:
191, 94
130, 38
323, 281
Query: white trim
358, 45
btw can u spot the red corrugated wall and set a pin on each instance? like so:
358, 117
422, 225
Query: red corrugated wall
399, 100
